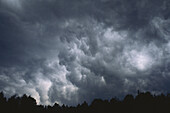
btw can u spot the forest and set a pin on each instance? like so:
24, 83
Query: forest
144, 102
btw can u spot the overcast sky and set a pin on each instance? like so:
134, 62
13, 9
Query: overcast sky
68, 51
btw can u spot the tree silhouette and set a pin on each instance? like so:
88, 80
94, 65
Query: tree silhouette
3, 103
142, 103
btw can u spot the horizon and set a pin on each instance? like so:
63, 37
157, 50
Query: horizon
142, 103
139, 93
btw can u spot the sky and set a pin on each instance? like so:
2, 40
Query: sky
70, 51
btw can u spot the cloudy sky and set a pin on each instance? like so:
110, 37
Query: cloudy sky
68, 51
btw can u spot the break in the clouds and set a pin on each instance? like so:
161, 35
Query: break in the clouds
68, 51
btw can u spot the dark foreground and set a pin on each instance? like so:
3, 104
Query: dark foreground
142, 103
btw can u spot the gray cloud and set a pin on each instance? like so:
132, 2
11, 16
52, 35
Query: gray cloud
68, 51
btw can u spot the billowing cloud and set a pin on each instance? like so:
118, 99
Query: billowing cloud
68, 51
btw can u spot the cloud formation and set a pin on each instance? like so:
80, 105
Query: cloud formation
68, 51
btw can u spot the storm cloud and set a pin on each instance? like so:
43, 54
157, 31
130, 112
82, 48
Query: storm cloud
70, 51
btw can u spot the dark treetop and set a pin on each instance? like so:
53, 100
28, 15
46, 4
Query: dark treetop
142, 103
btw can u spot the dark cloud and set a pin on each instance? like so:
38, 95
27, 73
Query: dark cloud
68, 51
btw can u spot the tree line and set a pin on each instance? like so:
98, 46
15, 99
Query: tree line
142, 103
